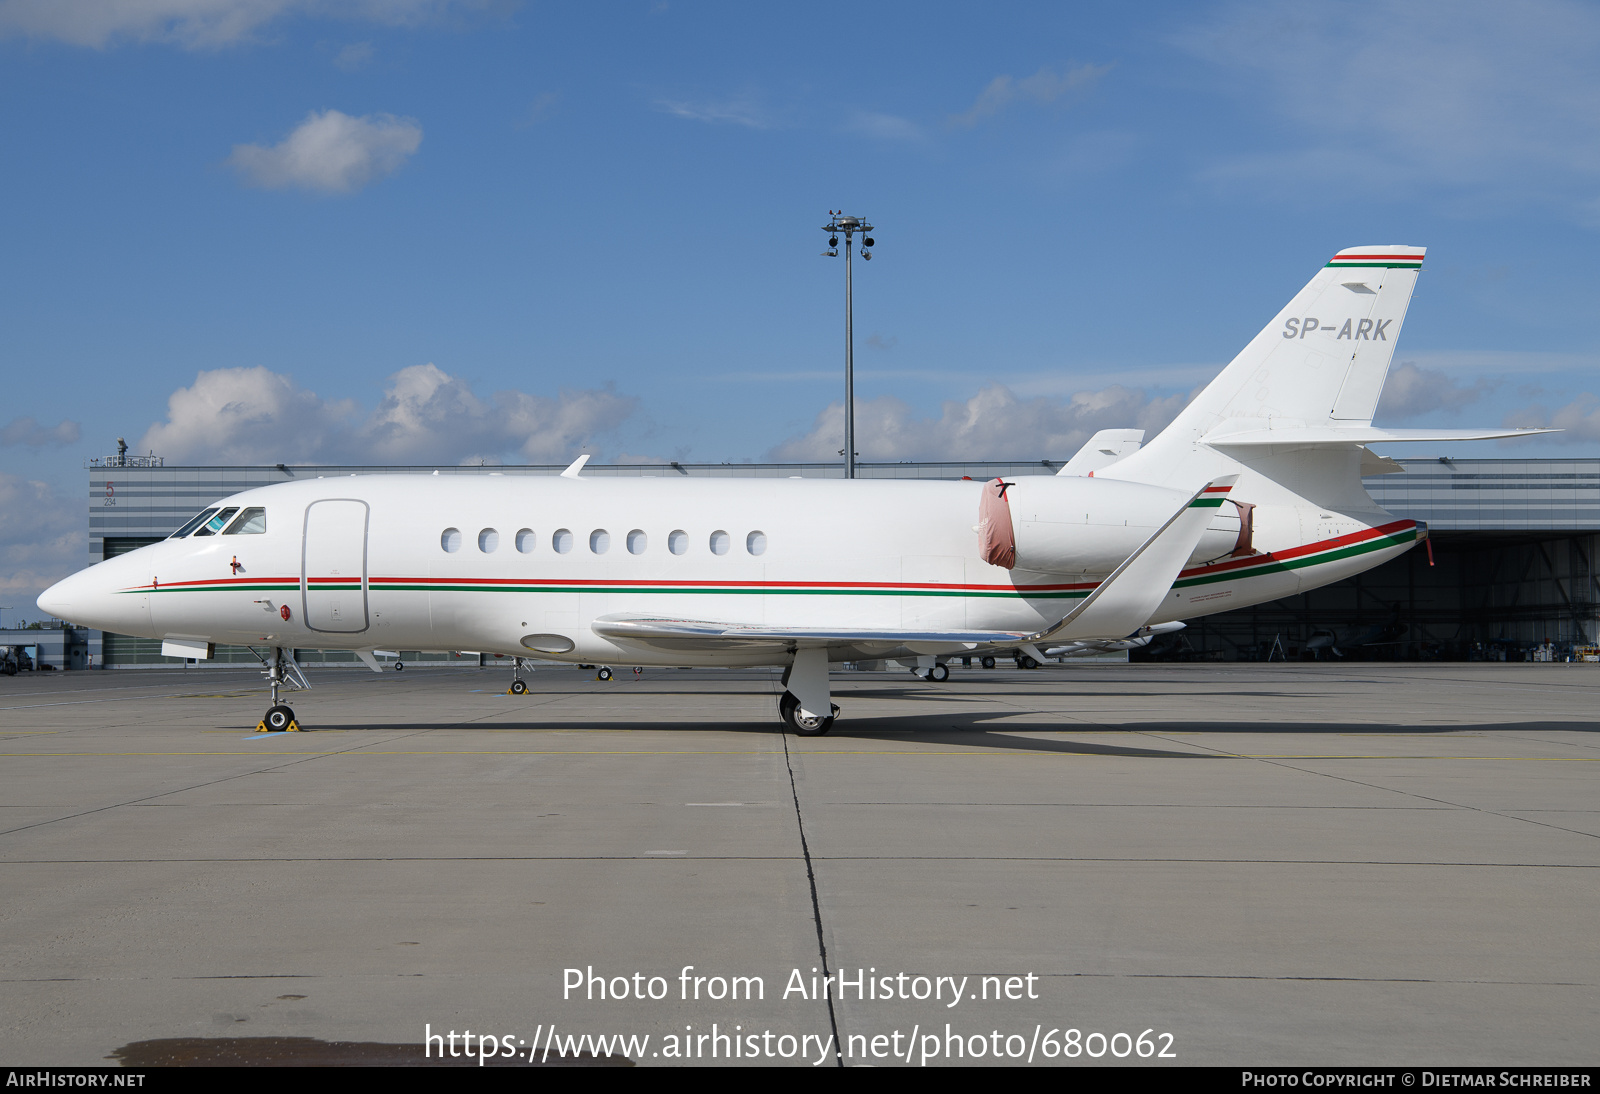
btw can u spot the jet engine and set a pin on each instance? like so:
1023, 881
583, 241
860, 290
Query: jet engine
1080, 526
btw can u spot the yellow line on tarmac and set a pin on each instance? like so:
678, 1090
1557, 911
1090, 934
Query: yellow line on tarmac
976, 752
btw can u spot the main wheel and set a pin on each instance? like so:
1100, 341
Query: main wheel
278, 719
805, 725
518, 688
603, 674
987, 662
939, 673
1026, 662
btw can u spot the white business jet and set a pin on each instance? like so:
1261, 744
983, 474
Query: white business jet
1252, 494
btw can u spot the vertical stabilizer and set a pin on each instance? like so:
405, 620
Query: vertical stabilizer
1102, 450
1321, 361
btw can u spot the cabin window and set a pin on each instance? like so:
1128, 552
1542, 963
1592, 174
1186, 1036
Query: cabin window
214, 525
637, 542
526, 541
251, 522
599, 541
561, 541
193, 523
756, 543
488, 540
450, 540
719, 542
677, 541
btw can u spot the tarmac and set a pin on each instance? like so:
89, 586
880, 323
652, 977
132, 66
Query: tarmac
1230, 864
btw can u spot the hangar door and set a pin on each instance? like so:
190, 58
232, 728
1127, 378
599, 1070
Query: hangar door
334, 566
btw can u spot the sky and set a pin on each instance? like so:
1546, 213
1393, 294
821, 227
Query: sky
462, 231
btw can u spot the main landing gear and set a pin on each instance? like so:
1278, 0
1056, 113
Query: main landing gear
802, 721
281, 669
604, 673
805, 684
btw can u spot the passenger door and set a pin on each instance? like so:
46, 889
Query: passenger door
333, 582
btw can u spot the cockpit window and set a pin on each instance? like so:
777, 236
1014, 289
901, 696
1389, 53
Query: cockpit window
214, 525
193, 523
251, 522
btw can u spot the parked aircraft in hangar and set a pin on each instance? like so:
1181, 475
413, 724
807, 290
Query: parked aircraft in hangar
1253, 493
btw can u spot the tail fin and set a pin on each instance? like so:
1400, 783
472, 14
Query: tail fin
1320, 362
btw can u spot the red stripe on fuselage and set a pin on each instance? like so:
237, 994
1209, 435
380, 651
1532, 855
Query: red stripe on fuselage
1306, 549
756, 586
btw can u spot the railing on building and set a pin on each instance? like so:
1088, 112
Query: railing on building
125, 461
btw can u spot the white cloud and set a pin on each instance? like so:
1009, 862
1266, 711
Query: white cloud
1580, 419
542, 107
884, 127
1410, 392
197, 24
246, 415
254, 415
1045, 86
1479, 101
43, 538
1500, 363
429, 416
724, 112
331, 151
355, 56
993, 424
28, 432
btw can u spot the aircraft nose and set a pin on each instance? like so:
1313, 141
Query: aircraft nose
91, 598
59, 599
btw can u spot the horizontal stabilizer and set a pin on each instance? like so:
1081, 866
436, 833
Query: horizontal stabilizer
1230, 436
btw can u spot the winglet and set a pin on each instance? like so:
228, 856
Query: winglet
577, 465
1124, 602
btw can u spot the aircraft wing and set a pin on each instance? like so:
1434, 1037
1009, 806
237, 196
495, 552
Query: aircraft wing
1117, 607
671, 633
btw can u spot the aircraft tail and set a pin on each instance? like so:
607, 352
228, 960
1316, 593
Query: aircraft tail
1320, 363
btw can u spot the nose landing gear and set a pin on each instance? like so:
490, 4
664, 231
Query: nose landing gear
518, 685
281, 668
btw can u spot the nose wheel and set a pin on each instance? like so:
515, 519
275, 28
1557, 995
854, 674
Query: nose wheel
519, 686
803, 722
279, 719
281, 669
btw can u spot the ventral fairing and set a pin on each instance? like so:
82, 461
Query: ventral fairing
1253, 493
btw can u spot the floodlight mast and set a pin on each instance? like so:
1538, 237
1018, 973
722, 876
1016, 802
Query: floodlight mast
849, 226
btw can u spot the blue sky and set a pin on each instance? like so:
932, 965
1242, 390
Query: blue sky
435, 231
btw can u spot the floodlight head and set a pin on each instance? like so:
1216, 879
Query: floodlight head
867, 255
